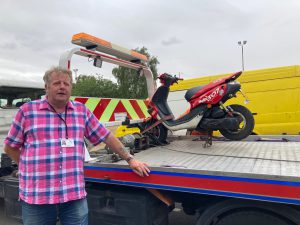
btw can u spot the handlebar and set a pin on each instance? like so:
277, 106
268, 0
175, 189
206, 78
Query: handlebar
168, 77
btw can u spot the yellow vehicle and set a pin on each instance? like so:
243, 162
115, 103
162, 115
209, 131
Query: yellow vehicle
274, 95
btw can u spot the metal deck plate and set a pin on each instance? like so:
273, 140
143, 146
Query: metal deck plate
266, 160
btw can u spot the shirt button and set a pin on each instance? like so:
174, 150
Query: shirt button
60, 152
60, 166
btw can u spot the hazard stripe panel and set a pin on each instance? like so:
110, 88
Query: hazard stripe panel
129, 108
110, 110
260, 189
91, 103
138, 108
143, 106
118, 110
82, 100
100, 108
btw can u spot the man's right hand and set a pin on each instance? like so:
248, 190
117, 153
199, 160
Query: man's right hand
13, 153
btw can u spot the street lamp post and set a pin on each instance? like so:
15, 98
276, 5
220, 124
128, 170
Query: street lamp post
75, 71
242, 43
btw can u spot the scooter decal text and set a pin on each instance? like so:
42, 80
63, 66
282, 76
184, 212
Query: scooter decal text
209, 97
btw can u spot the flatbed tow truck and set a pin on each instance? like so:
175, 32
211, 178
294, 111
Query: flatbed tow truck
255, 181
244, 182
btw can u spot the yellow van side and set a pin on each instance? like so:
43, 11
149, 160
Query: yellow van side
274, 96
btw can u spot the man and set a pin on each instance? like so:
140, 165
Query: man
46, 140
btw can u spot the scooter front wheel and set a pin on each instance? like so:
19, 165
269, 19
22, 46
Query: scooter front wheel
157, 134
246, 125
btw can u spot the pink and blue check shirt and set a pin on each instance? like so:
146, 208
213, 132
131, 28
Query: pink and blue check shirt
49, 173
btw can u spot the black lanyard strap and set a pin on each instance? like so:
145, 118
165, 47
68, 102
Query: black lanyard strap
63, 119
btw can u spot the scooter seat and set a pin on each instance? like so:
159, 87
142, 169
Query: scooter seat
189, 94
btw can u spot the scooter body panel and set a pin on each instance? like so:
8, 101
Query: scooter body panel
208, 87
191, 124
212, 97
205, 89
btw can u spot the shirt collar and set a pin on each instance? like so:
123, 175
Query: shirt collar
45, 104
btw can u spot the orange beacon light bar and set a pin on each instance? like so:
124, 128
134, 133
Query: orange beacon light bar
91, 42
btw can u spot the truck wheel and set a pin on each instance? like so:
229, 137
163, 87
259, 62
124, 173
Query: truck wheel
247, 212
250, 217
246, 126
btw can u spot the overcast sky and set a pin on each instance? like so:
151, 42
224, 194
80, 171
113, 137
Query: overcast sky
191, 37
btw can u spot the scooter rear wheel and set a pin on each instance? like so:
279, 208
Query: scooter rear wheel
246, 124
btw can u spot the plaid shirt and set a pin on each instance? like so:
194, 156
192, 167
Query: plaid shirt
49, 173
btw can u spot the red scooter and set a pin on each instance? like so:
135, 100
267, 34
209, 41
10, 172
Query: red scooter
206, 113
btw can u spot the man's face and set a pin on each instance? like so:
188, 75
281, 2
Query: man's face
58, 89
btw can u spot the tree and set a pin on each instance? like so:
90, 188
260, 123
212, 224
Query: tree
131, 84
94, 86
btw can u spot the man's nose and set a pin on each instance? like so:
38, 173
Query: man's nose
62, 85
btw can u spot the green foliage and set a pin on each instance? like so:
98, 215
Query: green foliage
94, 86
131, 84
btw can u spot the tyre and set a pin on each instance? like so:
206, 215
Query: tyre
157, 134
246, 125
251, 217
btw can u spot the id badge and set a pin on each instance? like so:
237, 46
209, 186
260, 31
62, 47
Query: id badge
67, 143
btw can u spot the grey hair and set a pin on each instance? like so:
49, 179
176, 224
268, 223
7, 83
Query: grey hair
57, 70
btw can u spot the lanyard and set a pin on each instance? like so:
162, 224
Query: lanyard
63, 119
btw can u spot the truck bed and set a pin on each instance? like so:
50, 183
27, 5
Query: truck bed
263, 170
